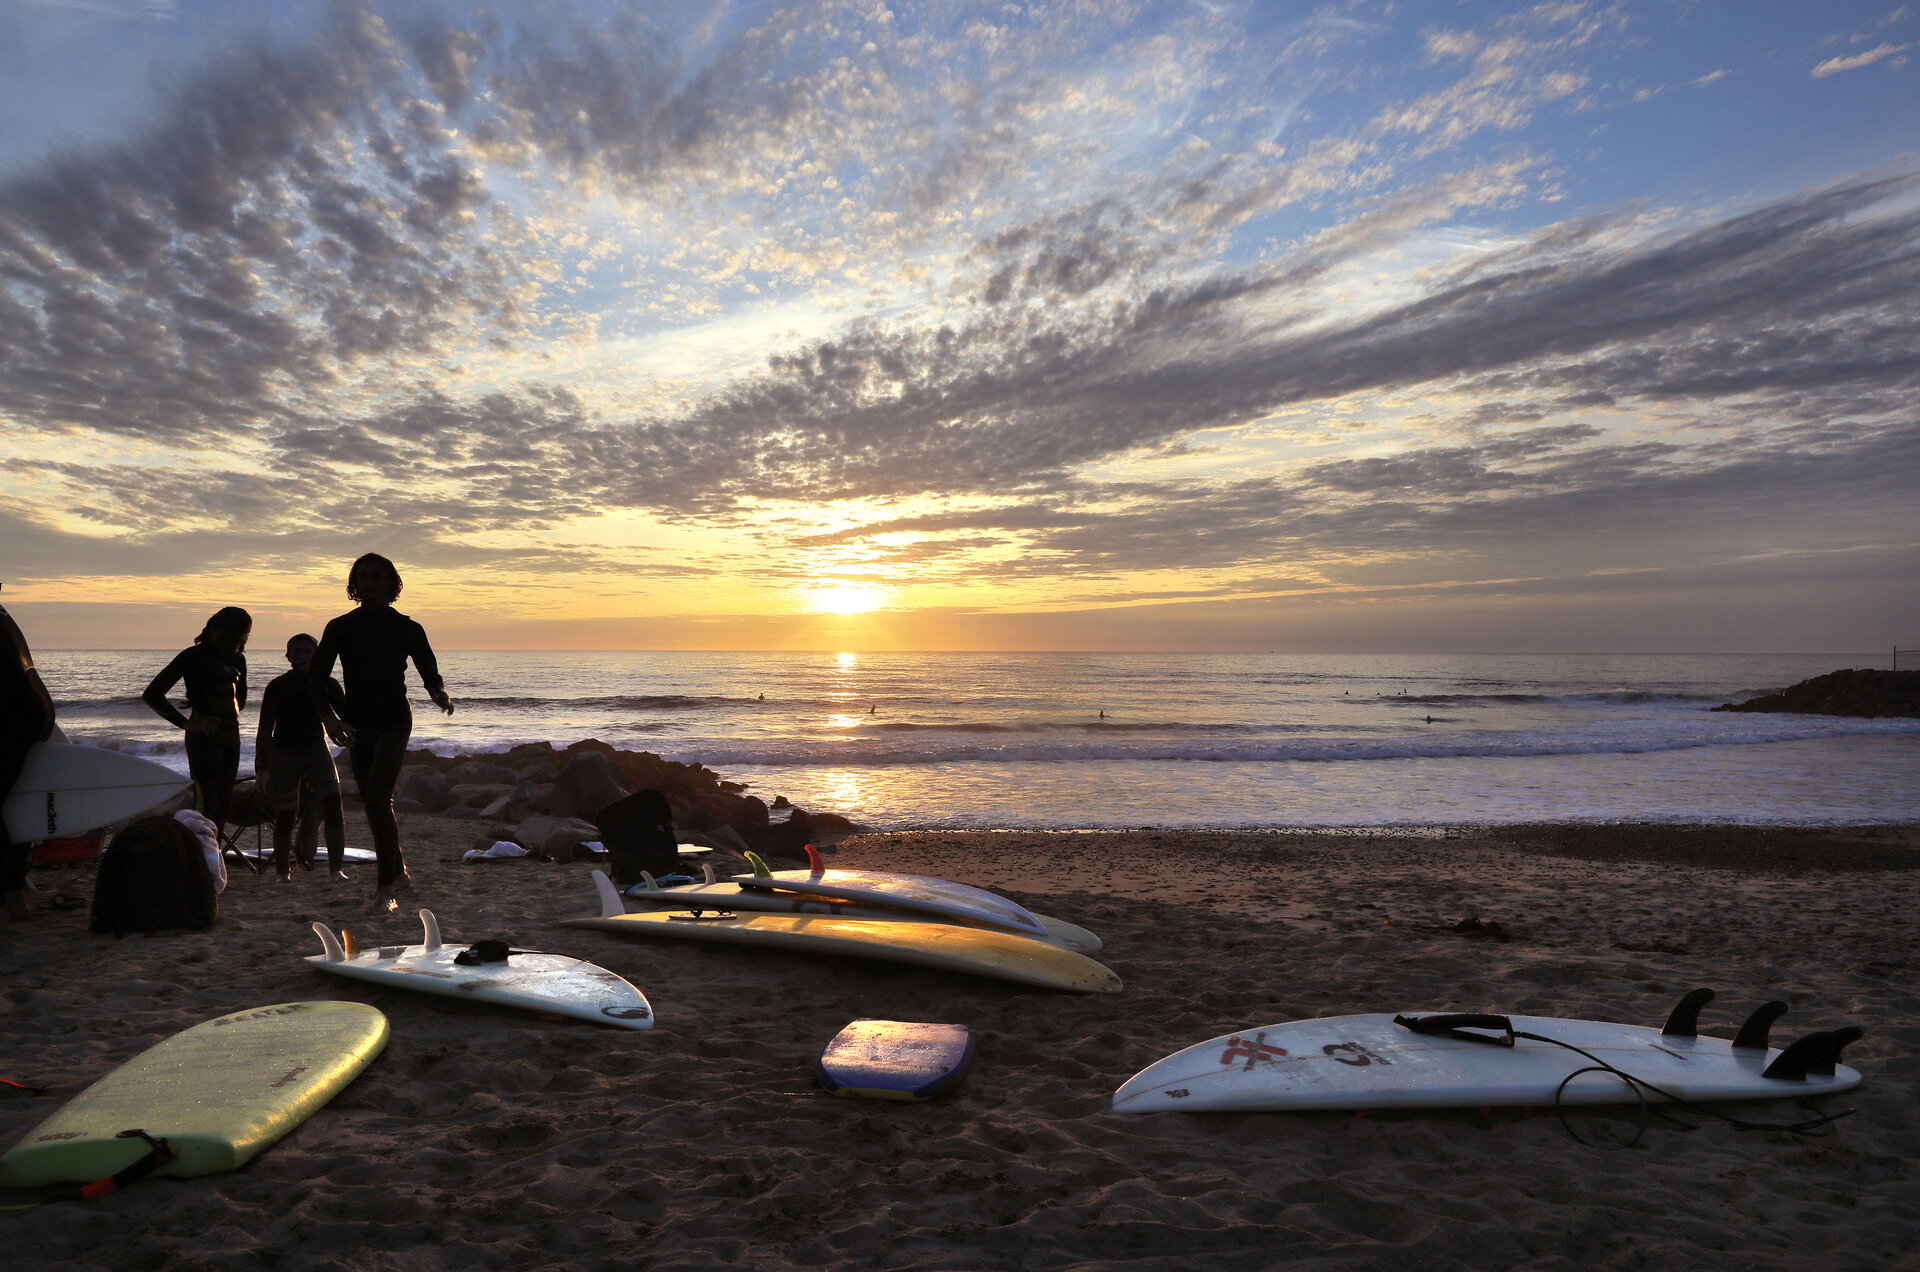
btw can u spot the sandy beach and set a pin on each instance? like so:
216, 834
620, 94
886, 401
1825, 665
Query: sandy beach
492, 1139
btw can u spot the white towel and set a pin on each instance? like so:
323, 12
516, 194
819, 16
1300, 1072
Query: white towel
501, 848
209, 836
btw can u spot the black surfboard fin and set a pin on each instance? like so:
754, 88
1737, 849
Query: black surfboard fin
1685, 1020
1753, 1034
1815, 1054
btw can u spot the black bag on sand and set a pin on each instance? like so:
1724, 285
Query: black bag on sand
638, 832
153, 875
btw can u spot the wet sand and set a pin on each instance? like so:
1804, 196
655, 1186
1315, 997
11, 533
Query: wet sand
493, 1139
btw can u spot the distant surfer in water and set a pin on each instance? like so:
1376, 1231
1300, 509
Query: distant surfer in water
291, 750
214, 668
26, 717
372, 644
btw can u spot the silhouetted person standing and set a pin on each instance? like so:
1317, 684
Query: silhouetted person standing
372, 644
214, 668
291, 757
26, 717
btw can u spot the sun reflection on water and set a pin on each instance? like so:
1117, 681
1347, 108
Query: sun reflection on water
843, 788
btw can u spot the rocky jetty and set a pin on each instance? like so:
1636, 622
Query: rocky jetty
545, 798
1853, 692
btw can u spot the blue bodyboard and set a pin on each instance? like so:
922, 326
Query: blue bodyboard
895, 1060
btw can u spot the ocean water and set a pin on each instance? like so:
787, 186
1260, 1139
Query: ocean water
1187, 740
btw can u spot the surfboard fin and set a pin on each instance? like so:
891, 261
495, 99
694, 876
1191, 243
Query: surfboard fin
348, 944
611, 906
1815, 1054
1685, 1020
648, 883
430, 928
759, 864
815, 862
1753, 1034
712, 875
330, 943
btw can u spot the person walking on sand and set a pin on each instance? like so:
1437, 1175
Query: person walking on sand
372, 643
214, 668
26, 717
291, 750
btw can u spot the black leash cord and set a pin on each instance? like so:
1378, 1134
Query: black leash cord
1641, 1088
159, 1153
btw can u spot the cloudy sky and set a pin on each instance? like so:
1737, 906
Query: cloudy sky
1314, 326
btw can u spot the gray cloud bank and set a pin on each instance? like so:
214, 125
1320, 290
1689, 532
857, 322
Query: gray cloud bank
302, 252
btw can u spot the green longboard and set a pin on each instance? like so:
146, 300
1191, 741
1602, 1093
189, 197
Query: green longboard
218, 1092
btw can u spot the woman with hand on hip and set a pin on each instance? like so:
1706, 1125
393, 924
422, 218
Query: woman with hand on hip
372, 643
214, 668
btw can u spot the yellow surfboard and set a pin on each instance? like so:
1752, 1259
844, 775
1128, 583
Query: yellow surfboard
979, 951
218, 1093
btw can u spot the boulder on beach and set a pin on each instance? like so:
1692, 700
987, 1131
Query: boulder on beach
425, 787
484, 771
477, 794
562, 843
1864, 691
589, 782
535, 779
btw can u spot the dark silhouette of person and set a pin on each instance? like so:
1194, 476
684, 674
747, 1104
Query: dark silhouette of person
372, 644
214, 668
294, 766
26, 717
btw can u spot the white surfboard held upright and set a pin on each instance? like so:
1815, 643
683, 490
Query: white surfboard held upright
1431, 1062
69, 790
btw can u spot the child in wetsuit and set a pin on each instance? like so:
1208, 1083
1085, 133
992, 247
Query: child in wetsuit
215, 670
373, 643
290, 751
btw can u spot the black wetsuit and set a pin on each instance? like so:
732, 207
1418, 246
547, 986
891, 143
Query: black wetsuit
26, 717
216, 685
373, 644
292, 746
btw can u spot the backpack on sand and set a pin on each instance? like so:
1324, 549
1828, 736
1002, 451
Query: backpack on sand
638, 832
153, 875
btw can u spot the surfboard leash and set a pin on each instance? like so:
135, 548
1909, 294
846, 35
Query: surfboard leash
1462, 1026
1817, 1125
159, 1153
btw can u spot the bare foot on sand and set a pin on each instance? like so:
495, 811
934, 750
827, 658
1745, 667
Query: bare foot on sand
384, 896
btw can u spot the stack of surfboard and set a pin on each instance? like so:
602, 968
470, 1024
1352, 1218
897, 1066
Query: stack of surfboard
869, 914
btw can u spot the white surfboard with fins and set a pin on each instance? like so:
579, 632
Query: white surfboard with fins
490, 972
1485, 1061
